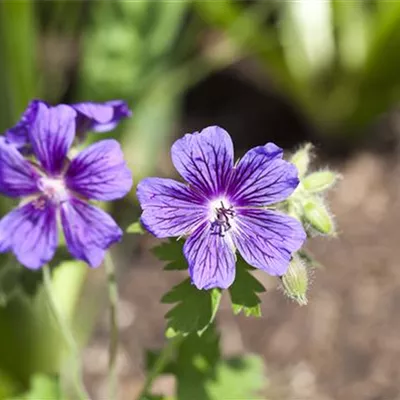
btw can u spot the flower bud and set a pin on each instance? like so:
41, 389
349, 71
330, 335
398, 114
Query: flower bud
295, 281
319, 181
317, 215
301, 159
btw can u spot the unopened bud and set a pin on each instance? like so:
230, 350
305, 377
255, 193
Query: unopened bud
301, 159
295, 281
319, 181
317, 215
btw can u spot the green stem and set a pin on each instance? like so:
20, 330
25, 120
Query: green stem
162, 360
65, 330
114, 334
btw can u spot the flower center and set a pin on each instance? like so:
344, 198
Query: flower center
222, 213
53, 189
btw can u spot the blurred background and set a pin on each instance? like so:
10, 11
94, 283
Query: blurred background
325, 71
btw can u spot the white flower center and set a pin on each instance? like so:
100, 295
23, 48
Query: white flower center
54, 189
221, 216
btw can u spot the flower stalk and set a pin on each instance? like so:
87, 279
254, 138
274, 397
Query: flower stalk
65, 330
114, 334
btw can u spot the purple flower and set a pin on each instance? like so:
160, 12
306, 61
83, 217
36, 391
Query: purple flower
223, 207
98, 117
18, 134
56, 189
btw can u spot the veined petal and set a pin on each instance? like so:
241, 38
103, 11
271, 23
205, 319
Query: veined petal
266, 239
100, 117
30, 232
88, 230
17, 176
261, 177
211, 258
205, 159
99, 172
18, 135
52, 134
169, 207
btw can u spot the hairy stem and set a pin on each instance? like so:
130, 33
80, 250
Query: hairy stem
162, 360
114, 334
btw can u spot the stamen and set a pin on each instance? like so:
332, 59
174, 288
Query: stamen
39, 203
222, 216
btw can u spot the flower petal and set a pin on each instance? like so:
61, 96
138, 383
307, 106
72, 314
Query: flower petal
211, 258
100, 117
262, 177
19, 134
88, 230
169, 207
30, 232
205, 159
17, 176
99, 172
266, 239
52, 134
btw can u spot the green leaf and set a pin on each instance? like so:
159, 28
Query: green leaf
201, 374
238, 378
42, 387
171, 251
136, 227
153, 397
195, 364
9, 282
244, 291
194, 311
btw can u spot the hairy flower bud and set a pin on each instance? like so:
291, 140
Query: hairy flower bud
301, 159
295, 281
319, 181
317, 215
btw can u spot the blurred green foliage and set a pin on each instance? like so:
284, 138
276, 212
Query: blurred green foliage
336, 60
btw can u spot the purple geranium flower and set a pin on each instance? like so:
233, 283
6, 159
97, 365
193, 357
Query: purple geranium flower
223, 207
19, 134
98, 117
57, 189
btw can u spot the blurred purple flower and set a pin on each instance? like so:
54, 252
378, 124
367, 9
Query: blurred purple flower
100, 117
223, 207
55, 189
18, 134
97, 117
